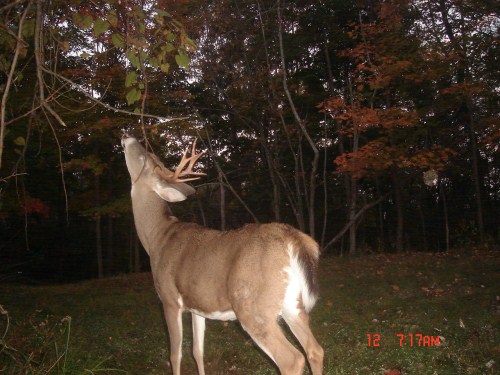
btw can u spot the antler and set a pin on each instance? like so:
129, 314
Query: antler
182, 170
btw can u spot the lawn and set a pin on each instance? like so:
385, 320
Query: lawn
377, 314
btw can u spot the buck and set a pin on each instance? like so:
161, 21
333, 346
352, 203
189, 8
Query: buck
257, 274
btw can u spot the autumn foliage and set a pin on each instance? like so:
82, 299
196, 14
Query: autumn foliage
373, 126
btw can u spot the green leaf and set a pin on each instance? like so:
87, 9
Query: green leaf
162, 13
139, 12
165, 67
139, 43
182, 60
154, 62
100, 26
133, 58
118, 41
189, 43
83, 21
169, 47
170, 36
133, 96
28, 28
141, 86
20, 141
130, 79
112, 18
19, 77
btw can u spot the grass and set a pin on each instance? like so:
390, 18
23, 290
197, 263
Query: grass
116, 324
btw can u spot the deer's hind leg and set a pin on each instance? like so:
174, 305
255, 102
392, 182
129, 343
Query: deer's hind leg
298, 321
270, 338
259, 318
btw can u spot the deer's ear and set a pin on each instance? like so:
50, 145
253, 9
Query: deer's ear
173, 192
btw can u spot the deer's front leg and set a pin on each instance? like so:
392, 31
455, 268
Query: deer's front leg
198, 338
173, 316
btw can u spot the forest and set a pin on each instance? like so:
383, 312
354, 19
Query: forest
372, 125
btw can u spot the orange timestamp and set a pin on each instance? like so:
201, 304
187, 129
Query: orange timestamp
410, 339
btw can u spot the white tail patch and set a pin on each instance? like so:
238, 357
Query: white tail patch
298, 289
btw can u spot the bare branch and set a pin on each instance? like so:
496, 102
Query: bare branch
61, 166
353, 221
226, 181
7, 178
10, 77
13, 3
35, 108
81, 90
314, 164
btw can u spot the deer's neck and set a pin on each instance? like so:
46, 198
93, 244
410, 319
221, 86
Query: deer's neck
152, 218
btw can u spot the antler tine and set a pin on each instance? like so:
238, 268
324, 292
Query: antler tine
181, 169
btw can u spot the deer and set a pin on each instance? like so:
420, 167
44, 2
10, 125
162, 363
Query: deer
258, 274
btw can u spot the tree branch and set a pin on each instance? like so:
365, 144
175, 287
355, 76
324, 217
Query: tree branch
81, 90
13, 3
10, 77
314, 164
353, 221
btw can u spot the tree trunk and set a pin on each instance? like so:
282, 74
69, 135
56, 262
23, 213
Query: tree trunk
314, 164
475, 173
353, 188
465, 110
100, 269
298, 192
399, 212
381, 239
325, 191
222, 204
422, 222
352, 214
445, 213
271, 166
109, 246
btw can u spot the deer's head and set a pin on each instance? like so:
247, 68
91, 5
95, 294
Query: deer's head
148, 172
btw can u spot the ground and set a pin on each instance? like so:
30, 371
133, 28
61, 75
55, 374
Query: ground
377, 314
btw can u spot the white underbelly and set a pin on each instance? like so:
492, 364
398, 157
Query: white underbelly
216, 315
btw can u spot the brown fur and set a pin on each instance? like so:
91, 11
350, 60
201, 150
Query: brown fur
243, 272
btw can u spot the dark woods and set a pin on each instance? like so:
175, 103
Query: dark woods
372, 126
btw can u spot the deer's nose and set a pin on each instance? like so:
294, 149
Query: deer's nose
125, 136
